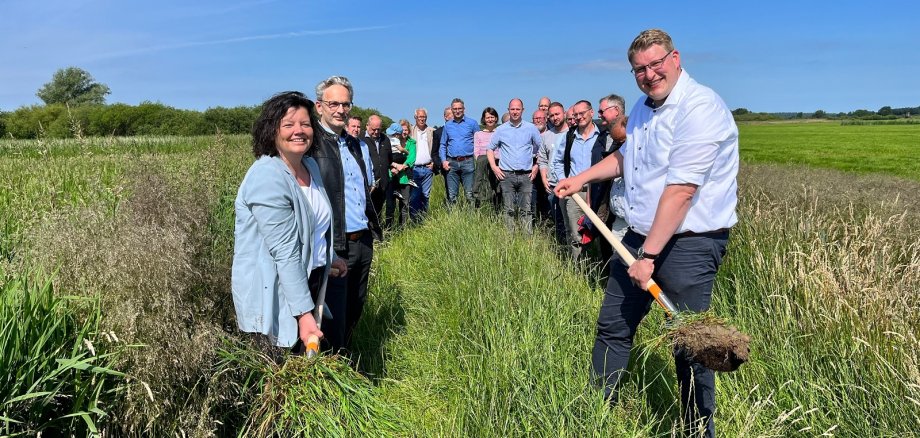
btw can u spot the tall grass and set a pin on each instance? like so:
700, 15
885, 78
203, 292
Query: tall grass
146, 234
58, 374
470, 330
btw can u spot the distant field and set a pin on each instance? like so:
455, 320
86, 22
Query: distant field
890, 149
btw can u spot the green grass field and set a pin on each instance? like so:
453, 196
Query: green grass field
470, 330
887, 149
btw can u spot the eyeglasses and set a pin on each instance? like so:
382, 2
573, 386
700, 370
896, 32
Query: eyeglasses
333, 105
604, 110
580, 114
654, 65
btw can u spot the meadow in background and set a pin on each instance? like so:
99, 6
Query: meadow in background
122, 246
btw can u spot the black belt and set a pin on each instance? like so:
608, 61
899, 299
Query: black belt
517, 172
355, 235
462, 158
422, 165
705, 233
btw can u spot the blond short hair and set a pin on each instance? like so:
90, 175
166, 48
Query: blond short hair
648, 38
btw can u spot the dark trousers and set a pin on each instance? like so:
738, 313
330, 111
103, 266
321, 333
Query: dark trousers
555, 206
346, 296
379, 195
685, 270
397, 198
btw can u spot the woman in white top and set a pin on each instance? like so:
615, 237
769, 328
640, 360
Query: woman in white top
282, 253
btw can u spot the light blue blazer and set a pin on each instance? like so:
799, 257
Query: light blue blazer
273, 250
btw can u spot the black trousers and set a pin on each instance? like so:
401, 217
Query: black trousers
347, 296
685, 270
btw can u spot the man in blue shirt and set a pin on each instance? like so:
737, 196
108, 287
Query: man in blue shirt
570, 159
354, 221
516, 140
457, 151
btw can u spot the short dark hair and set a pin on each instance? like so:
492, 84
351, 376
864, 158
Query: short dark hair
265, 128
488, 110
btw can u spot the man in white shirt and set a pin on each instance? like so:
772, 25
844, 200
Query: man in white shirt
422, 173
679, 165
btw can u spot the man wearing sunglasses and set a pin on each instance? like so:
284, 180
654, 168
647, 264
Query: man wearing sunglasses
679, 165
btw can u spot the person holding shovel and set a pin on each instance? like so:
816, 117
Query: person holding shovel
679, 165
282, 251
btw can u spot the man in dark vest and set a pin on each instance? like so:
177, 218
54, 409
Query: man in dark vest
572, 157
354, 221
379, 147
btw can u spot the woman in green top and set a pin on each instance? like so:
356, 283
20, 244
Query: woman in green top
403, 151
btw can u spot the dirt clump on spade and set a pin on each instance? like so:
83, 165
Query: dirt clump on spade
711, 342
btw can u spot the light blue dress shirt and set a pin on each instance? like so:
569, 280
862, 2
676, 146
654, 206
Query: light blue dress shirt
367, 163
457, 138
273, 250
516, 144
581, 154
355, 187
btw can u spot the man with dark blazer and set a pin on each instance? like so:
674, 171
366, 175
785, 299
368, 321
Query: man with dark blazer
354, 221
381, 158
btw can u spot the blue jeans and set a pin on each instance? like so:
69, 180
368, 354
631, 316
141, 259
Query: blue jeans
685, 270
418, 201
460, 172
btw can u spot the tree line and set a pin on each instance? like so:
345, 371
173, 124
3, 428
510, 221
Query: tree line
74, 107
884, 113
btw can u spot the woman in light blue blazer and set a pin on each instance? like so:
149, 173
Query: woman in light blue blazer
282, 252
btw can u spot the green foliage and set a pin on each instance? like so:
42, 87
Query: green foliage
73, 86
56, 371
296, 396
749, 116
147, 118
365, 113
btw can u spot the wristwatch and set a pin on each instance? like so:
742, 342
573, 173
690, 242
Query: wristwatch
641, 254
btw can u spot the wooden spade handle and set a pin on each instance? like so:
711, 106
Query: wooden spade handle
624, 254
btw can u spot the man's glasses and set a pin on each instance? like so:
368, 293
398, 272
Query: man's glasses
580, 114
333, 105
654, 65
604, 110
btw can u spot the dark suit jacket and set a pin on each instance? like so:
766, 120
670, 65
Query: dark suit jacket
380, 160
325, 151
436, 149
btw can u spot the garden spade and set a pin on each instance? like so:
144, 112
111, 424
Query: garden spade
707, 340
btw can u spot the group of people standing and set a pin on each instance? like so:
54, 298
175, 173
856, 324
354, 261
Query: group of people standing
307, 211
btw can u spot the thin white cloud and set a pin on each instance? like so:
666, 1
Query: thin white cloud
142, 50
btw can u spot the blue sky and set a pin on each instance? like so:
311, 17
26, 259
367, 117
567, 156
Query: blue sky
764, 56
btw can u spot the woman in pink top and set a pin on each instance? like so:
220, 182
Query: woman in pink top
485, 185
